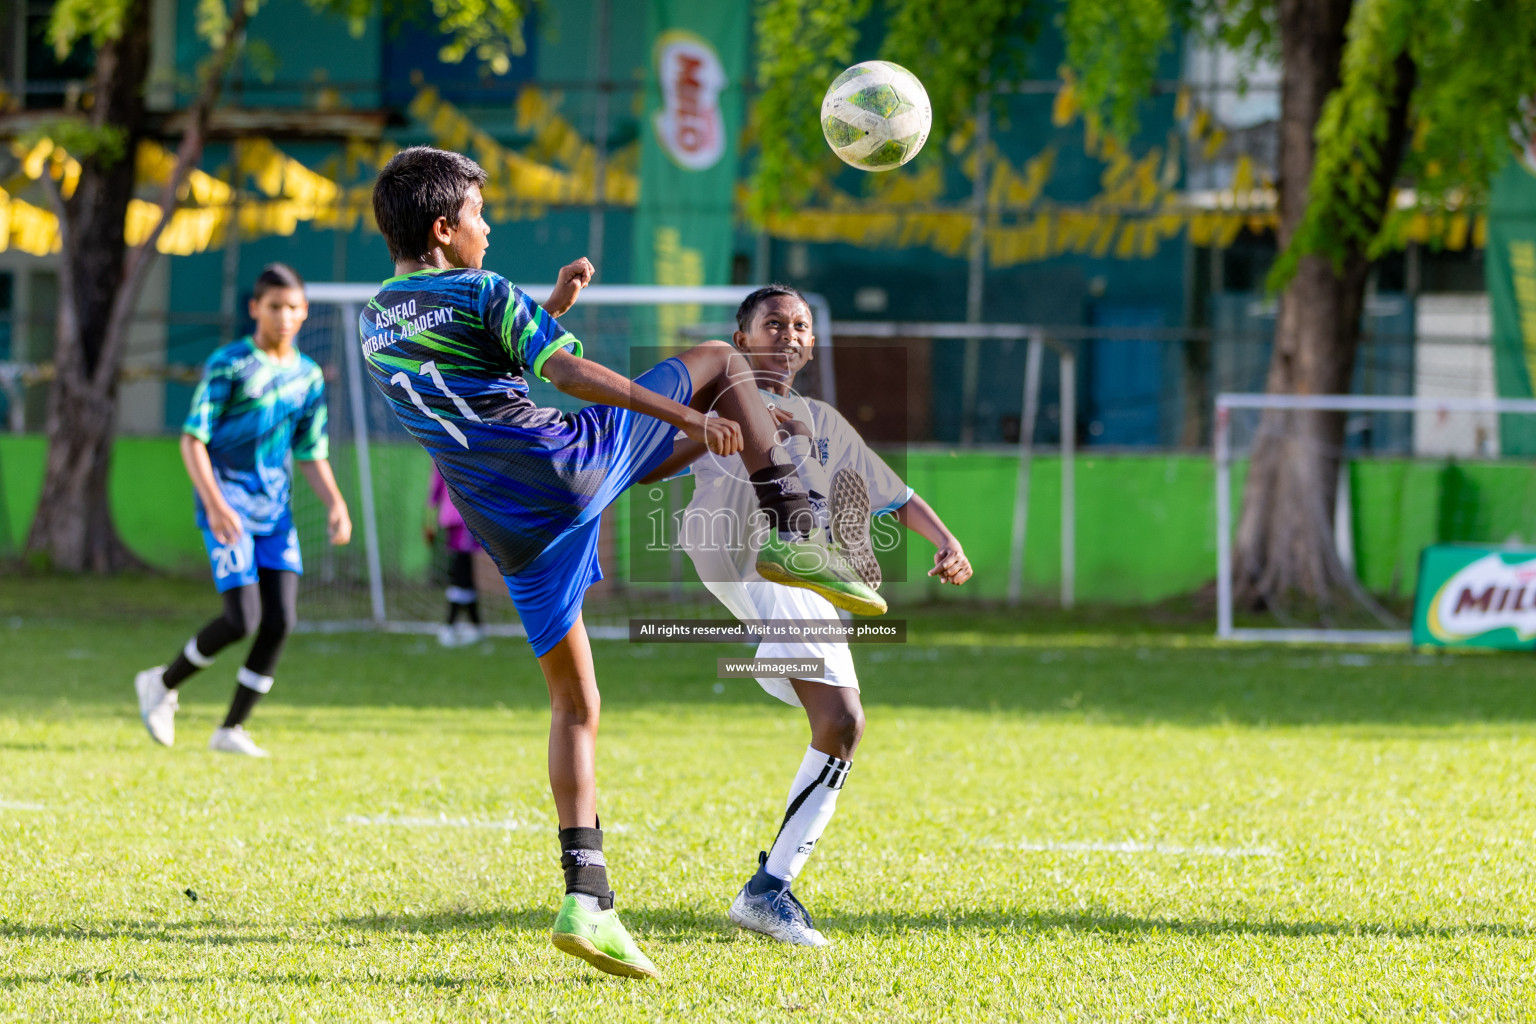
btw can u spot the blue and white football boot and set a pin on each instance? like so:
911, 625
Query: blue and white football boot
777, 914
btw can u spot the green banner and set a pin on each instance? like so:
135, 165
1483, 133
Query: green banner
1510, 270
1476, 596
684, 227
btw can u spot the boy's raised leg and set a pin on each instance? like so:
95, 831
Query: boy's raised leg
587, 926
724, 381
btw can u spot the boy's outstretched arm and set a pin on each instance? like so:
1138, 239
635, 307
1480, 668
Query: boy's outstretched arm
949, 561
686, 453
594, 382
573, 277
338, 523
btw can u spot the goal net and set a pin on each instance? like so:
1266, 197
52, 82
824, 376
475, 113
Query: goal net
1412, 472
389, 577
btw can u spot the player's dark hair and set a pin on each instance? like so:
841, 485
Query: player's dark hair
275, 275
417, 186
748, 307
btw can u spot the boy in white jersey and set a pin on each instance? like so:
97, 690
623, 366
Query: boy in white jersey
847, 483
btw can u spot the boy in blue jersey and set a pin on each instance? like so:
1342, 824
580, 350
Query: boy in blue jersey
259, 406
447, 344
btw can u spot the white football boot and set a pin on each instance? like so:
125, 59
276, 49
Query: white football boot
775, 913
157, 705
467, 634
235, 741
778, 915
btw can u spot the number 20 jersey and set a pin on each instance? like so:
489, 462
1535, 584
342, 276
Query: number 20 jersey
448, 350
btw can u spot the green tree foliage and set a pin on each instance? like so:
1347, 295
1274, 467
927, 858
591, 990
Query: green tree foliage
1114, 45
1472, 79
954, 46
99, 21
489, 30
799, 43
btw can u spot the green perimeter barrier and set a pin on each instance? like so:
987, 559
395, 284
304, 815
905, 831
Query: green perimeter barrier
1145, 522
1402, 506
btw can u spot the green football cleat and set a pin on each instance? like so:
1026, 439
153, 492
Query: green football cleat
817, 567
598, 937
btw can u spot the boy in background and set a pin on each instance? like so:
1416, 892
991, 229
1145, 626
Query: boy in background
462, 597
259, 408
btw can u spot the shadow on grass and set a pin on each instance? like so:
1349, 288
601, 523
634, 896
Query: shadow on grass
564, 984
1116, 686
658, 924
990, 662
197, 933
674, 925
434, 922
1023, 920
686, 924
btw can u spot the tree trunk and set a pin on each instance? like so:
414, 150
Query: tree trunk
73, 525
73, 528
99, 283
1285, 541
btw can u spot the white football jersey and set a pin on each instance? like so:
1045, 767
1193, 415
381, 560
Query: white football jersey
723, 527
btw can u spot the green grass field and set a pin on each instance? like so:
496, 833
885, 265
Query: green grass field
1043, 823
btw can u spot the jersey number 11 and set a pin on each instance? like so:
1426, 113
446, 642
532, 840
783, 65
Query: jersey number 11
430, 369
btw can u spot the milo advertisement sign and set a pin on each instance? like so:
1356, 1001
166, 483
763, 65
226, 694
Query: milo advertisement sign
689, 125
686, 220
1474, 596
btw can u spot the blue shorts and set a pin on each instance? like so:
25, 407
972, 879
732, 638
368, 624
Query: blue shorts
235, 565
549, 590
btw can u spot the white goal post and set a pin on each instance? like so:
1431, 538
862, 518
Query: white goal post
1225, 404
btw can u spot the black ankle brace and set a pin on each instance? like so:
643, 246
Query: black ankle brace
586, 870
782, 496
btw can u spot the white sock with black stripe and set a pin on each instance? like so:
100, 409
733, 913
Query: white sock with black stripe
812, 799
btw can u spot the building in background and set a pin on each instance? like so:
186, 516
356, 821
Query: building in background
1149, 258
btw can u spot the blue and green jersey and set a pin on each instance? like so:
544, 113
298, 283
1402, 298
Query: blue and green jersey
253, 412
449, 350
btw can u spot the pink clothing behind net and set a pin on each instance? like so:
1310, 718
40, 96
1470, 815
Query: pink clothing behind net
455, 533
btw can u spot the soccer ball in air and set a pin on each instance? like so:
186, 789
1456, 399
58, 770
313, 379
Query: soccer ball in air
876, 116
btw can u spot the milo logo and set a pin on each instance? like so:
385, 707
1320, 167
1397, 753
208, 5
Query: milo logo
1490, 593
689, 124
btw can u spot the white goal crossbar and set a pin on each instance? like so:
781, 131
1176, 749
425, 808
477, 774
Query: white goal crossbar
1225, 403
351, 297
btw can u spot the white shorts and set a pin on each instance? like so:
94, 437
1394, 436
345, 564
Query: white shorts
775, 601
